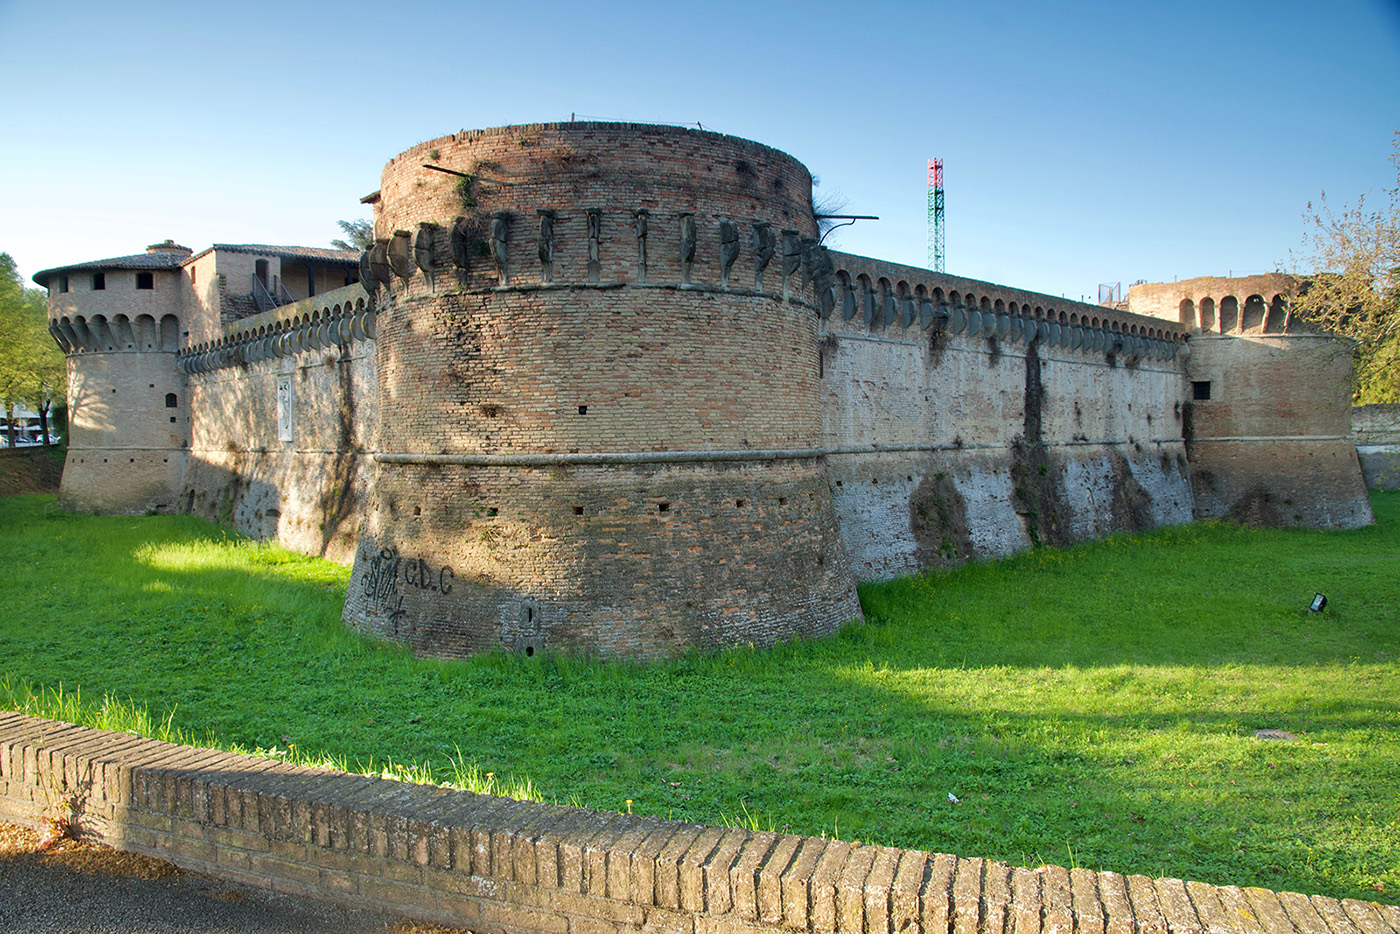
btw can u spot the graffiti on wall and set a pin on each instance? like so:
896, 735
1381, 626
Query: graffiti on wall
389, 577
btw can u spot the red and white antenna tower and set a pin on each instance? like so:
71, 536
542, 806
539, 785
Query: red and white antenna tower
935, 215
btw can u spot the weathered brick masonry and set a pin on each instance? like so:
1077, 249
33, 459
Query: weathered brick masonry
963, 439
497, 865
303, 481
607, 446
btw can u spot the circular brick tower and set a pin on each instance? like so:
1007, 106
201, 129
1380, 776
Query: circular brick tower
598, 398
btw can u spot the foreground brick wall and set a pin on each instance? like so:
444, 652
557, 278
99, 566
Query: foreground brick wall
497, 865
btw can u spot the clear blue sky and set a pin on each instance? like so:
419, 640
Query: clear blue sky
1083, 142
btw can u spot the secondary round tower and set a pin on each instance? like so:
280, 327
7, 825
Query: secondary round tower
598, 397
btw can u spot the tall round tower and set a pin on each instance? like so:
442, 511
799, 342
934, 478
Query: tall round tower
598, 378
118, 322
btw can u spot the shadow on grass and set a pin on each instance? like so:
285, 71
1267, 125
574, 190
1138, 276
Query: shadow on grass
1087, 707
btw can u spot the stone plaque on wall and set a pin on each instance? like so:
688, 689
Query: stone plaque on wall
284, 408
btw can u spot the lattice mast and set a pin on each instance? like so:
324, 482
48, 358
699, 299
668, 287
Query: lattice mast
935, 215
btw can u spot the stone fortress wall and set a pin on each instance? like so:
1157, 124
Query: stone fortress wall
286, 416
1375, 430
974, 420
587, 439
601, 389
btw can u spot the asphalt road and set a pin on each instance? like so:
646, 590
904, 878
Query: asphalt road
45, 894
47, 898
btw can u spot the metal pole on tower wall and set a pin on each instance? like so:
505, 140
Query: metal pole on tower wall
935, 215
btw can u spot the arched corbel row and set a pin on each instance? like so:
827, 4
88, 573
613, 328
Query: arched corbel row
880, 305
330, 327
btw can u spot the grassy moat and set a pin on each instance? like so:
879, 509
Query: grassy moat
1094, 707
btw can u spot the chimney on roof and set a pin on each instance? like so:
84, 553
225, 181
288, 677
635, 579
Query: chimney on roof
169, 246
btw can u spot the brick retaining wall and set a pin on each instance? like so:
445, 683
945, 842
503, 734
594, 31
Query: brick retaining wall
497, 865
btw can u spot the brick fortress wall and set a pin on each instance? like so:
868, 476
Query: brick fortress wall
593, 437
493, 864
603, 390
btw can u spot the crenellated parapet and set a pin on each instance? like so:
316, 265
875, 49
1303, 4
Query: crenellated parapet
586, 204
705, 256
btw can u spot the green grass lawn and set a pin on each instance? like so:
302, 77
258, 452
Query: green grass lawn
1094, 707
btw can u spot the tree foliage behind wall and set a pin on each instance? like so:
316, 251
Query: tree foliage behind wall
360, 232
1350, 260
32, 369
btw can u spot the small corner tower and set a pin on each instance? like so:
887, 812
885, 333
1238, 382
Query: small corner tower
1268, 409
118, 322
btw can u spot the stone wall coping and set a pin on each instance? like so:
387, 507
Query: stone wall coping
522, 867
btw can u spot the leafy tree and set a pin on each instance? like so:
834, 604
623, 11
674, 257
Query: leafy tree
360, 232
1349, 265
32, 369
50, 378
